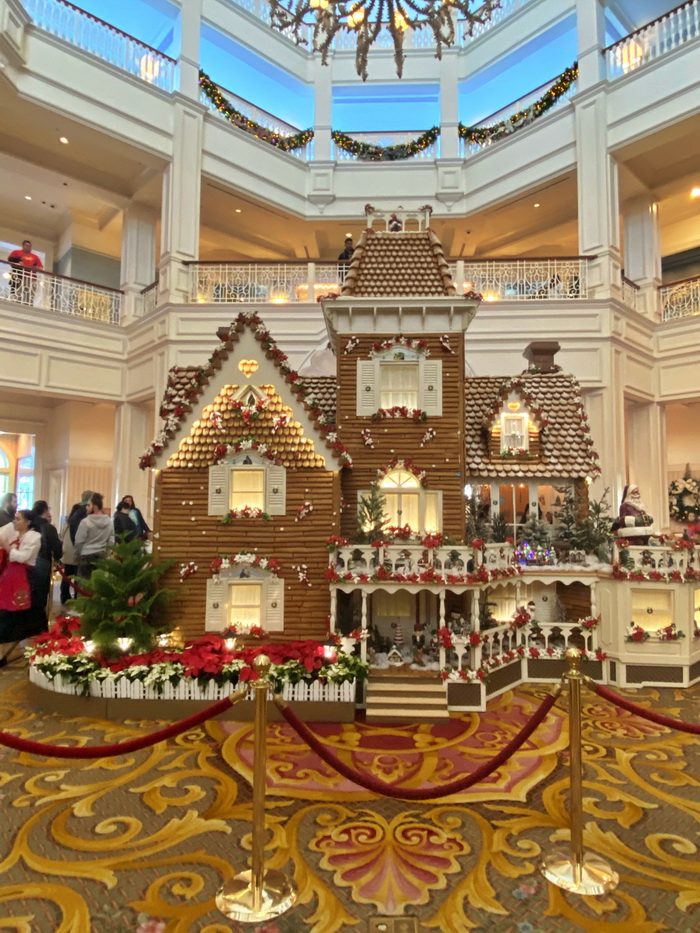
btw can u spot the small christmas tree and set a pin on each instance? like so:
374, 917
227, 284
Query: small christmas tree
567, 520
534, 531
594, 534
371, 517
124, 600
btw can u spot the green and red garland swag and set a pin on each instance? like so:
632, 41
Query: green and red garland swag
62, 652
481, 135
238, 119
684, 499
367, 152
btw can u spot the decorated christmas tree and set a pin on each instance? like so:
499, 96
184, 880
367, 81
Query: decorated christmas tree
534, 531
124, 599
371, 517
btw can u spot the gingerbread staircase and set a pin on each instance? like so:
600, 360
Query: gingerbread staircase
406, 698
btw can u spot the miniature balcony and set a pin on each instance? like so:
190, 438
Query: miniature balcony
656, 559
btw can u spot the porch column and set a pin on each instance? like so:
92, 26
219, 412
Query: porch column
363, 642
646, 451
138, 266
643, 252
334, 609
441, 597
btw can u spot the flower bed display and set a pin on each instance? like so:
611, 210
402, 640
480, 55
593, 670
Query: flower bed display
206, 669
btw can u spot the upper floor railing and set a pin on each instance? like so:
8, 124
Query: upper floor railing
630, 290
524, 279
60, 294
94, 35
680, 299
149, 298
654, 40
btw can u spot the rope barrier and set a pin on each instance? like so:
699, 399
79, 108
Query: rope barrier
131, 745
430, 793
606, 694
72, 582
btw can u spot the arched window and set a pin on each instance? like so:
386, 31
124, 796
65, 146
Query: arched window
407, 503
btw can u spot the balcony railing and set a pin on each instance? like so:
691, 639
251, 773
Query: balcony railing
60, 294
94, 35
654, 40
387, 138
629, 292
409, 559
149, 298
520, 279
660, 558
680, 299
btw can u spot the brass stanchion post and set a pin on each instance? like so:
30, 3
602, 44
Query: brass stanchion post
258, 894
577, 871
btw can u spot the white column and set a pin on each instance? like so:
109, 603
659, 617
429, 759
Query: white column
133, 431
598, 197
188, 60
323, 107
138, 268
590, 28
606, 417
363, 643
643, 252
449, 104
182, 182
646, 443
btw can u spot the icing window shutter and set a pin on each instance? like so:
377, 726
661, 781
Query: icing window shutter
218, 489
366, 387
432, 387
276, 493
274, 605
215, 614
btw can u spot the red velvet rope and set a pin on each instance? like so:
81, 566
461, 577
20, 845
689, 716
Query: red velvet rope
121, 748
617, 700
420, 793
72, 582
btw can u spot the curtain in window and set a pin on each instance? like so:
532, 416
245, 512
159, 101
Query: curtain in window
399, 385
247, 488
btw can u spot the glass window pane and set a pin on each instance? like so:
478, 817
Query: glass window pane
398, 385
432, 517
408, 511
514, 431
245, 604
391, 507
247, 488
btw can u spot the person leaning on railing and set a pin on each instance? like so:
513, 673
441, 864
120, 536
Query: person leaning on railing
23, 278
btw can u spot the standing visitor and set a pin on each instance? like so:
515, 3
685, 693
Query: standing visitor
70, 561
94, 537
348, 250
142, 529
22, 614
23, 280
125, 528
51, 548
77, 515
8, 508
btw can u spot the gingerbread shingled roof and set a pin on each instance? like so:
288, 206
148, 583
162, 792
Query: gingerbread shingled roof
323, 389
406, 264
566, 448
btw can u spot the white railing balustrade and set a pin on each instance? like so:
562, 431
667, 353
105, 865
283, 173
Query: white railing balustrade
505, 9
654, 40
680, 299
149, 298
405, 559
498, 556
387, 138
60, 294
629, 293
93, 35
519, 279
648, 558
263, 283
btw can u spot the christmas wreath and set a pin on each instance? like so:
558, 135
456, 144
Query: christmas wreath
684, 499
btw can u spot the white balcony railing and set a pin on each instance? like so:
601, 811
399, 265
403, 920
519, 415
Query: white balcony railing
149, 299
662, 558
629, 293
654, 40
60, 294
521, 279
387, 138
292, 282
407, 558
680, 299
93, 35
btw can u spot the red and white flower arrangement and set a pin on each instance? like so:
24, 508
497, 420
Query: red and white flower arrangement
401, 342
408, 465
669, 633
247, 511
400, 411
636, 634
246, 558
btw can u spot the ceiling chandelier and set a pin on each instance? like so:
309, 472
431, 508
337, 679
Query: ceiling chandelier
365, 19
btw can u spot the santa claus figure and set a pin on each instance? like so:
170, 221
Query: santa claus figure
633, 522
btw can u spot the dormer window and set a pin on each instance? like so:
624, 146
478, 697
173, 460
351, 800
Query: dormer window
514, 433
247, 480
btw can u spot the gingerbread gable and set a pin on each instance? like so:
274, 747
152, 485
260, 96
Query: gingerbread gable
406, 264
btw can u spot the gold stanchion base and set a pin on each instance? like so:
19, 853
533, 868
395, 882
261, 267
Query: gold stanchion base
597, 877
235, 897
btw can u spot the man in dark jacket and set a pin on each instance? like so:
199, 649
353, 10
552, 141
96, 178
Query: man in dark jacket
79, 514
124, 528
8, 508
51, 549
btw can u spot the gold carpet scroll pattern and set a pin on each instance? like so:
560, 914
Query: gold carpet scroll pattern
142, 842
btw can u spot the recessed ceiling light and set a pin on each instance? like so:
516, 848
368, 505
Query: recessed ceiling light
348, 234
27, 197
695, 193
238, 210
536, 205
63, 139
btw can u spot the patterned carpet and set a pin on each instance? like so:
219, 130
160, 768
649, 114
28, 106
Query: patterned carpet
142, 842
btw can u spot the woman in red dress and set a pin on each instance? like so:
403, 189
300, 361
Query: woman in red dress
21, 612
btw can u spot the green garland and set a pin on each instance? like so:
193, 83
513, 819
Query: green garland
485, 134
225, 107
684, 499
369, 153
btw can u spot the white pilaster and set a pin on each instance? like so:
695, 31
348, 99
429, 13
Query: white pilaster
606, 416
181, 202
449, 104
323, 107
643, 251
132, 434
646, 450
138, 266
598, 197
590, 28
188, 60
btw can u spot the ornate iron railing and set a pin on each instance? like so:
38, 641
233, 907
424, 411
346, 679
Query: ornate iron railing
680, 299
654, 40
149, 298
521, 279
505, 9
262, 283
630, 291
60, 294
387, 138
94, 35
